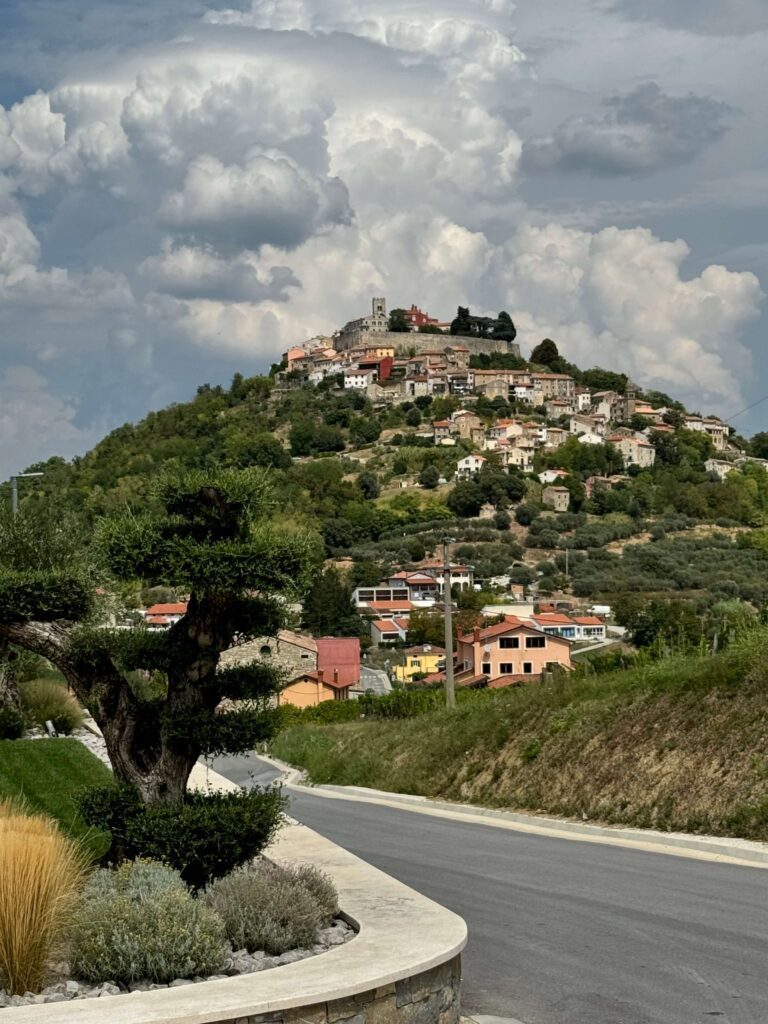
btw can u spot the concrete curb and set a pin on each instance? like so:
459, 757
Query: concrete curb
404, 939
723, 849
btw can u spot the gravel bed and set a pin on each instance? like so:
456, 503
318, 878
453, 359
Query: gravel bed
239, 962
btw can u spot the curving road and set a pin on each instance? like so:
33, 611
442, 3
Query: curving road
566, 932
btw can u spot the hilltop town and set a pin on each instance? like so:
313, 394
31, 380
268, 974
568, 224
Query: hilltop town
582, 511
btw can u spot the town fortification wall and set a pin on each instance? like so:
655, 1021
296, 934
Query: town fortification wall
405, 343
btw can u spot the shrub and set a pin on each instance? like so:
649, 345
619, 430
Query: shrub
44, 700
203, 838
141, 923
320, 886
11, 723
41, 872
265, 906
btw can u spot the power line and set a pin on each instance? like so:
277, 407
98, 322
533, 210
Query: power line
742, 411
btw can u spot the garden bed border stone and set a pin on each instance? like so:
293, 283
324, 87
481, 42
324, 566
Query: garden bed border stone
403, 967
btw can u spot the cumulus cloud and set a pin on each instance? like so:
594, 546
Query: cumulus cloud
35, 423
268, 199
256, 180
187, 272
706, 17
641, 132
619, 296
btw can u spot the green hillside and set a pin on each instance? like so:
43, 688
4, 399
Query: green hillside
678, 744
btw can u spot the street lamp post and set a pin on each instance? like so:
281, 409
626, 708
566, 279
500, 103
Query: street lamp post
15, 489
450, 691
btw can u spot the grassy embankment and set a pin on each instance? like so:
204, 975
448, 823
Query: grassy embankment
680, 744
46, 775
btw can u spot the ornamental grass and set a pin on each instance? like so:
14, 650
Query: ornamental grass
41, 873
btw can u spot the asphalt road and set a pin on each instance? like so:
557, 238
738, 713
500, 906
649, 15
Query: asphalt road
566, 932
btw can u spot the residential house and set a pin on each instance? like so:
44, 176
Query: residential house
422, 587
557, 498
520, 455
290, 653
715, 429
634, 451
590, 438
420, 661
339, 657
582, 424
388, 631
551, 476
385, 591
416, 385
359, 378
387, 609
469, 465
163, 616
462, 576
313, 687
465, 421
583, 398
555, 436
571, 627
554, 385
510, 651
557, 407
720, 467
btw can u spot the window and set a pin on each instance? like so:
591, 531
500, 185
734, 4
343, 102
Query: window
535, 641
486, 668
507, 668
527, 668
509, 641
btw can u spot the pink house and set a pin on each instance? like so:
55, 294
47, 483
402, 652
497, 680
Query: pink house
511, 651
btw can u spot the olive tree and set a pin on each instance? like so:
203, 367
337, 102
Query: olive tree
215, 537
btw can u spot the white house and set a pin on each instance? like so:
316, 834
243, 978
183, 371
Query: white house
589, 438
551, 476
469, 465
359, 378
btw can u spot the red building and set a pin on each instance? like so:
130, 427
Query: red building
381, 366
417, 318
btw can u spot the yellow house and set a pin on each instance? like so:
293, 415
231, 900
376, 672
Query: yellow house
312, 688
419, 661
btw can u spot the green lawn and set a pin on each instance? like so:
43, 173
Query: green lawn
47, 774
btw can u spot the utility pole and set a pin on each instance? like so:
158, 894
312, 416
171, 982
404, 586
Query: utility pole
450, 692
15, 490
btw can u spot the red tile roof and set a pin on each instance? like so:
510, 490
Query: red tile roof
552, 619
389, 606
180, 608
320, 677
510, 623
588, 620
387, 625
340, 654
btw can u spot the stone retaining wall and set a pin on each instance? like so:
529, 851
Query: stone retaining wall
432, 997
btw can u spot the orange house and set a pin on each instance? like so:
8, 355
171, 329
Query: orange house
511, 651
312, 688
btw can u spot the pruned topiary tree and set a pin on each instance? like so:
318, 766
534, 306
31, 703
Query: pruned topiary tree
214, 536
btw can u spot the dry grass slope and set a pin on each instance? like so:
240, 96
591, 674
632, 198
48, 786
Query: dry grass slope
676, 745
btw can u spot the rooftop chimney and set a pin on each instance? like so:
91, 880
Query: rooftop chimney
319, 675
336, 675
476, 636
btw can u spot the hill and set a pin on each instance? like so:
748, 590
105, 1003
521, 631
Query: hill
677, 744
381, 468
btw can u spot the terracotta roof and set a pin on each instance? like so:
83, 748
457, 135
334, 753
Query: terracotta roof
179, 608
501, 681
510, 623
553, 619
402, 623
425, 649
287, 636
339, 654
389, 606
319, 676
387, 625
588, 620
157, 620
441, 423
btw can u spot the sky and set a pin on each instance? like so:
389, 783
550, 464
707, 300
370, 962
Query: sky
189, 188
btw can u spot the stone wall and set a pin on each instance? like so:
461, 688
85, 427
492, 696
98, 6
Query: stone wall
432, 997
423, 342
288, 658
